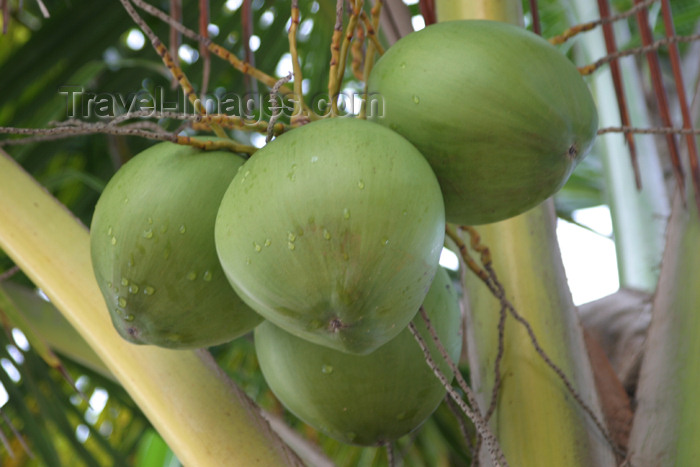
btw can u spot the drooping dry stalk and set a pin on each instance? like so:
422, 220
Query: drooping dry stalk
372, 32
498, 291
683, 101
463, 428
446, 357
579, 28
369, 54
247, 32
169, 62
175, 37
482, 428
273, 106
335, 56
390, 454
349, 33
591, 68
5, 15
649, 131
298, 116
142, 129
238, 64
535, 13
660, 93
356, 51
427, 10
203, 51
611, 47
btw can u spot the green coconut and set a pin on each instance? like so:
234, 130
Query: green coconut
364, 399
153, 252
333, 232
501, 115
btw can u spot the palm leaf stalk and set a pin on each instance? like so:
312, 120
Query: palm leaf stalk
201, 414
536, 419
639, 217
667, 417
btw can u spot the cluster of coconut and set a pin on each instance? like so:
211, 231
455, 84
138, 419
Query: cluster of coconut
326, 241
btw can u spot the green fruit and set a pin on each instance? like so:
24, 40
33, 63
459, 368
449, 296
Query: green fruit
363, 399
153, 252
333, 232
501, 115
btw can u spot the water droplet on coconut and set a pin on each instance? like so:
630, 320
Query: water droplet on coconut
416, 99
326, 234
109, 285
268, 242
126, 200
403, 65
183, 229
134, 289
385, 241
207, 276
191, 275
113, 241
125, 281
109, 230
291, 246
150, 221
148, 233
361, 185
148, 290
291, 236
257, 247
247, 261
314, 159
122, 302
326, 369
129, 317
132, 263
346, 213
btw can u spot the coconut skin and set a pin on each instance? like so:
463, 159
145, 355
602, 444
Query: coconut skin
364, 399
153, 252
501, 115
333, 232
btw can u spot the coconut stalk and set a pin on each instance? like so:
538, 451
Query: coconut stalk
200, 413
667, 418
536, 419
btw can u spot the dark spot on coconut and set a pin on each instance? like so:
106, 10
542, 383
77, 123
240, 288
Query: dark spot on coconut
133, 332
573, 151
336, 325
